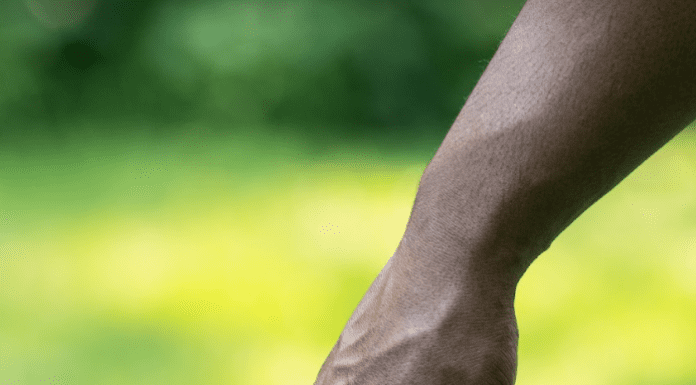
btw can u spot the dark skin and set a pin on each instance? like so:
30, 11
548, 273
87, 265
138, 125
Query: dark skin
578, 95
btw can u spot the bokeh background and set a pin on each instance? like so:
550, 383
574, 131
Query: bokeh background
200, 192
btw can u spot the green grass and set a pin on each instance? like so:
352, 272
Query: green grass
213, 258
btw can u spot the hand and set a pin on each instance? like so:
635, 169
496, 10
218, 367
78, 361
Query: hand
412, 329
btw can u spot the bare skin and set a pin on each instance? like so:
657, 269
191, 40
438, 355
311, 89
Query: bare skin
578, 95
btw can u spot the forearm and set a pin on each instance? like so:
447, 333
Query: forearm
578, 95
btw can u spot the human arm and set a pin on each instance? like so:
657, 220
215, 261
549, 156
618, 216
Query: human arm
578, 95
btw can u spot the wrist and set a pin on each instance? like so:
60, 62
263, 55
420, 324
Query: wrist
409, 329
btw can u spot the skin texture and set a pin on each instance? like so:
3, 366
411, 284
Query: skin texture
578, 95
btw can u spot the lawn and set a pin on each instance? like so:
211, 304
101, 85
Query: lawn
213, 257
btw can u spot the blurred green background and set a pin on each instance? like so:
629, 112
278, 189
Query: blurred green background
200, 192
